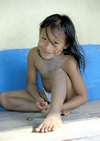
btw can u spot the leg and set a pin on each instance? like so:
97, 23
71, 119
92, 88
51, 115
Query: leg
53, 120
69, 95
18, 100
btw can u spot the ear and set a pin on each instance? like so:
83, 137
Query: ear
66, 46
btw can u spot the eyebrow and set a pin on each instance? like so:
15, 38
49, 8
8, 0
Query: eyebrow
56, 36
44, 34
59, 40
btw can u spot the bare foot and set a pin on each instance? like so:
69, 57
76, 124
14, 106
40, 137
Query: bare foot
51, 123
65, 113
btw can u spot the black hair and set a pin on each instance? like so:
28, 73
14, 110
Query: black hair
63, 22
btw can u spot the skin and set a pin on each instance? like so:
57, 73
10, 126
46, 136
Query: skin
60, 76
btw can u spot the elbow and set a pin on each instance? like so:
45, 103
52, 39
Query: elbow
85, 99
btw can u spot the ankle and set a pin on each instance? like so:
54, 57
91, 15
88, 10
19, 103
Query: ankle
53, 112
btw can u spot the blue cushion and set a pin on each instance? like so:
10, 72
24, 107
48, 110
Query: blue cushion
13, 70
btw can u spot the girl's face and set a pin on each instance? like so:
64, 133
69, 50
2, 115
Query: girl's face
54, 48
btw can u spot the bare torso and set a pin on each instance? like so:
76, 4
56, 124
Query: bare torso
45, 67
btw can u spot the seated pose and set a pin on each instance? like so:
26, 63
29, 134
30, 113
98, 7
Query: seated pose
60, 61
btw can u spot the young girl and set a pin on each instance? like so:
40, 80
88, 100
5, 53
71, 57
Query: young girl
58, 58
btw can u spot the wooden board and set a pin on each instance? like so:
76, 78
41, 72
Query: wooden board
82, 124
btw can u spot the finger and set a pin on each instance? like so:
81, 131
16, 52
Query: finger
47, 106
38, 105
41, 100
43, 104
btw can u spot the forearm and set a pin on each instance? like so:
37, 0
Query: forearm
74, 103
33, 91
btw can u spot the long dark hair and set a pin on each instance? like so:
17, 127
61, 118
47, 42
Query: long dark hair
63, 22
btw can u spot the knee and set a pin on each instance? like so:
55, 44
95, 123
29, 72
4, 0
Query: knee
58, 74
3, 100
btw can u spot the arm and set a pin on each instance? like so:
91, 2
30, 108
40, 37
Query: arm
78, 85
31, 77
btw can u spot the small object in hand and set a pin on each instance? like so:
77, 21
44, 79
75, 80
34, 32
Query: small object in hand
42, 104
29, 119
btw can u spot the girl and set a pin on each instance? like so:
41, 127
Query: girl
59, 60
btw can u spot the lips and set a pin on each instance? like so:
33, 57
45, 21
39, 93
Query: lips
48, 53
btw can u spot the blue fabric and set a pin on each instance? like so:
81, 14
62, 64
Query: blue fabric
39, 82
13, 70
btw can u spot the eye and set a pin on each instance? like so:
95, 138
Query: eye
44, 38
56, 43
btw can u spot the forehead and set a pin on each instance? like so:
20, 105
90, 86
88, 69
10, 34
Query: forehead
55, 33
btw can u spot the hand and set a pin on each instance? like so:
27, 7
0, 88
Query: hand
40, 102
45, 109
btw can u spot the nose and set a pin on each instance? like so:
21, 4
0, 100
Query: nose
48, 45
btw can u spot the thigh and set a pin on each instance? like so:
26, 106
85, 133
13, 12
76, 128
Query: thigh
19, 94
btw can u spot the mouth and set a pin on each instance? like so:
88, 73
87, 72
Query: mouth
47, 53
38, 51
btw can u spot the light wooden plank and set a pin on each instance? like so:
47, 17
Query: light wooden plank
83, 124
78, 129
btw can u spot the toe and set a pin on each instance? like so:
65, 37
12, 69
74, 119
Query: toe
53, 128
38, 129
43, 129
46, 129
67, 113
49, 128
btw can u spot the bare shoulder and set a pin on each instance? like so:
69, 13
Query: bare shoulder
32, 54
71, 63
33, 51
71, 66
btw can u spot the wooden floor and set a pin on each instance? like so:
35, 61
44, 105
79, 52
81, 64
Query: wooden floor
83, 124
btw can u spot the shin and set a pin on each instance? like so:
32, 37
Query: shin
58, 82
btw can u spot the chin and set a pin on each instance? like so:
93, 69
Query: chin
47, 58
